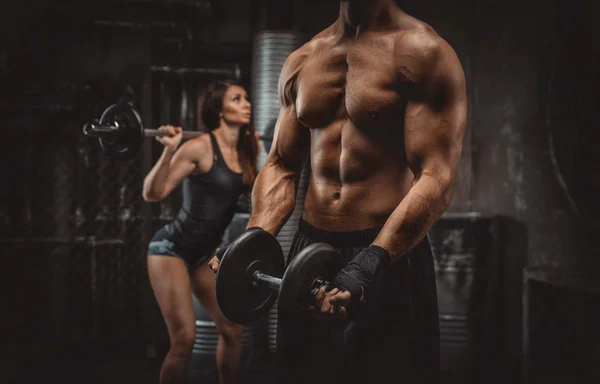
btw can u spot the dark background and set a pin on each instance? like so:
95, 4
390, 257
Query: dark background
75, 302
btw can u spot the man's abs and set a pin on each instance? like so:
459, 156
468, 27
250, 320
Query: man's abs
356, 181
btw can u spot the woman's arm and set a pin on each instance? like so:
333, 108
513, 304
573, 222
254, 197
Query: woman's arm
173, 165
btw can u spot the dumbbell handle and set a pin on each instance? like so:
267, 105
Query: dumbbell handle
275, 283
101, 130
272, 282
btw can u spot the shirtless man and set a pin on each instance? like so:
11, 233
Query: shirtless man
380, 100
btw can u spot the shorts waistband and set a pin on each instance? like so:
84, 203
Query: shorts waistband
359, 238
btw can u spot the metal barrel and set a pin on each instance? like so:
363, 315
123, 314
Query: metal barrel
271, 50
464, 247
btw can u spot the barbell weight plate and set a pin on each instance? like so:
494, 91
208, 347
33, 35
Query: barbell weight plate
239, 298
316, 261
125, 144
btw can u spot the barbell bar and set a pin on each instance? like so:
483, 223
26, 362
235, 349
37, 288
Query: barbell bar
96, 130
120, 131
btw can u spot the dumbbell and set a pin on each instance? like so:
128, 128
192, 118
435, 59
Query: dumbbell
252, 276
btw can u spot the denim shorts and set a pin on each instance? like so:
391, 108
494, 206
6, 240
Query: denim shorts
163, 243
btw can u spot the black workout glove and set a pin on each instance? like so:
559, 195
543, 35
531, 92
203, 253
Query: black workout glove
221, 250
361, 270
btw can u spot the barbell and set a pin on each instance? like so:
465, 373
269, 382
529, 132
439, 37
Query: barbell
121, 132
252, 276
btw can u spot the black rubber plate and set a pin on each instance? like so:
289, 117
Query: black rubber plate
241, 301
126, 143
318, 260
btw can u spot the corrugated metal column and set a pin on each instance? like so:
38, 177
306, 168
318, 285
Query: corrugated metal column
271, 49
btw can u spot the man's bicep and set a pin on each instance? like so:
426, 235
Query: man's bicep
291, 138
433, 141
434, 125
290, 141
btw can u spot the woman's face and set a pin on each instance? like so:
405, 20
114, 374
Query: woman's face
236, 106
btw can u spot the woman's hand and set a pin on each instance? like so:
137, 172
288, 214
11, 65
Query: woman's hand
172, 142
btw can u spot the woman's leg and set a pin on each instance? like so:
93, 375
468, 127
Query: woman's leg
229, 347
170, 282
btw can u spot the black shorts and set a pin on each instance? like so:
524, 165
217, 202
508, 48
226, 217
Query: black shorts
395, 338
164, 243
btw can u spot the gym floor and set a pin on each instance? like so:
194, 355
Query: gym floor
75, 302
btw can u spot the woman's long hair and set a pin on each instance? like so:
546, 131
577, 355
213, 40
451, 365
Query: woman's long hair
211, 104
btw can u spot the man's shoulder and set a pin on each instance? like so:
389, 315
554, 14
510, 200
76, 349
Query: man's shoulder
321, 40
422, 42
297, 57
419, 52
417, 35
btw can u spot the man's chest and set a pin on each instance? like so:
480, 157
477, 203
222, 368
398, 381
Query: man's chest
359, 83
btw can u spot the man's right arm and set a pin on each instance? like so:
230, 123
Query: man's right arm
274, 192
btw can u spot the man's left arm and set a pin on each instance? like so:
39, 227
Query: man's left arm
434, 126
433, 132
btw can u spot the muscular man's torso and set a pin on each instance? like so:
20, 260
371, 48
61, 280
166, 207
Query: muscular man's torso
352, 95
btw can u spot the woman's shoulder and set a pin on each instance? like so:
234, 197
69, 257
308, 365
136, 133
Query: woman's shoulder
199, 142
197, 146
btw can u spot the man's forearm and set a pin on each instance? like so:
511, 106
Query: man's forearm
273, 197
415, 215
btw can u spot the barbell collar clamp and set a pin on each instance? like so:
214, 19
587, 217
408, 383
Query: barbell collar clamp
97, 130
318, 284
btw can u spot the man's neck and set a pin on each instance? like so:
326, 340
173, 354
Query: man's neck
356, 16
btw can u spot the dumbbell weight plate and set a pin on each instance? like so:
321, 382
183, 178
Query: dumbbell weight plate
316, 261
240, 299
127, 141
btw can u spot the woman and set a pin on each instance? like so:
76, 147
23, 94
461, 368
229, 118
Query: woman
215, 168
